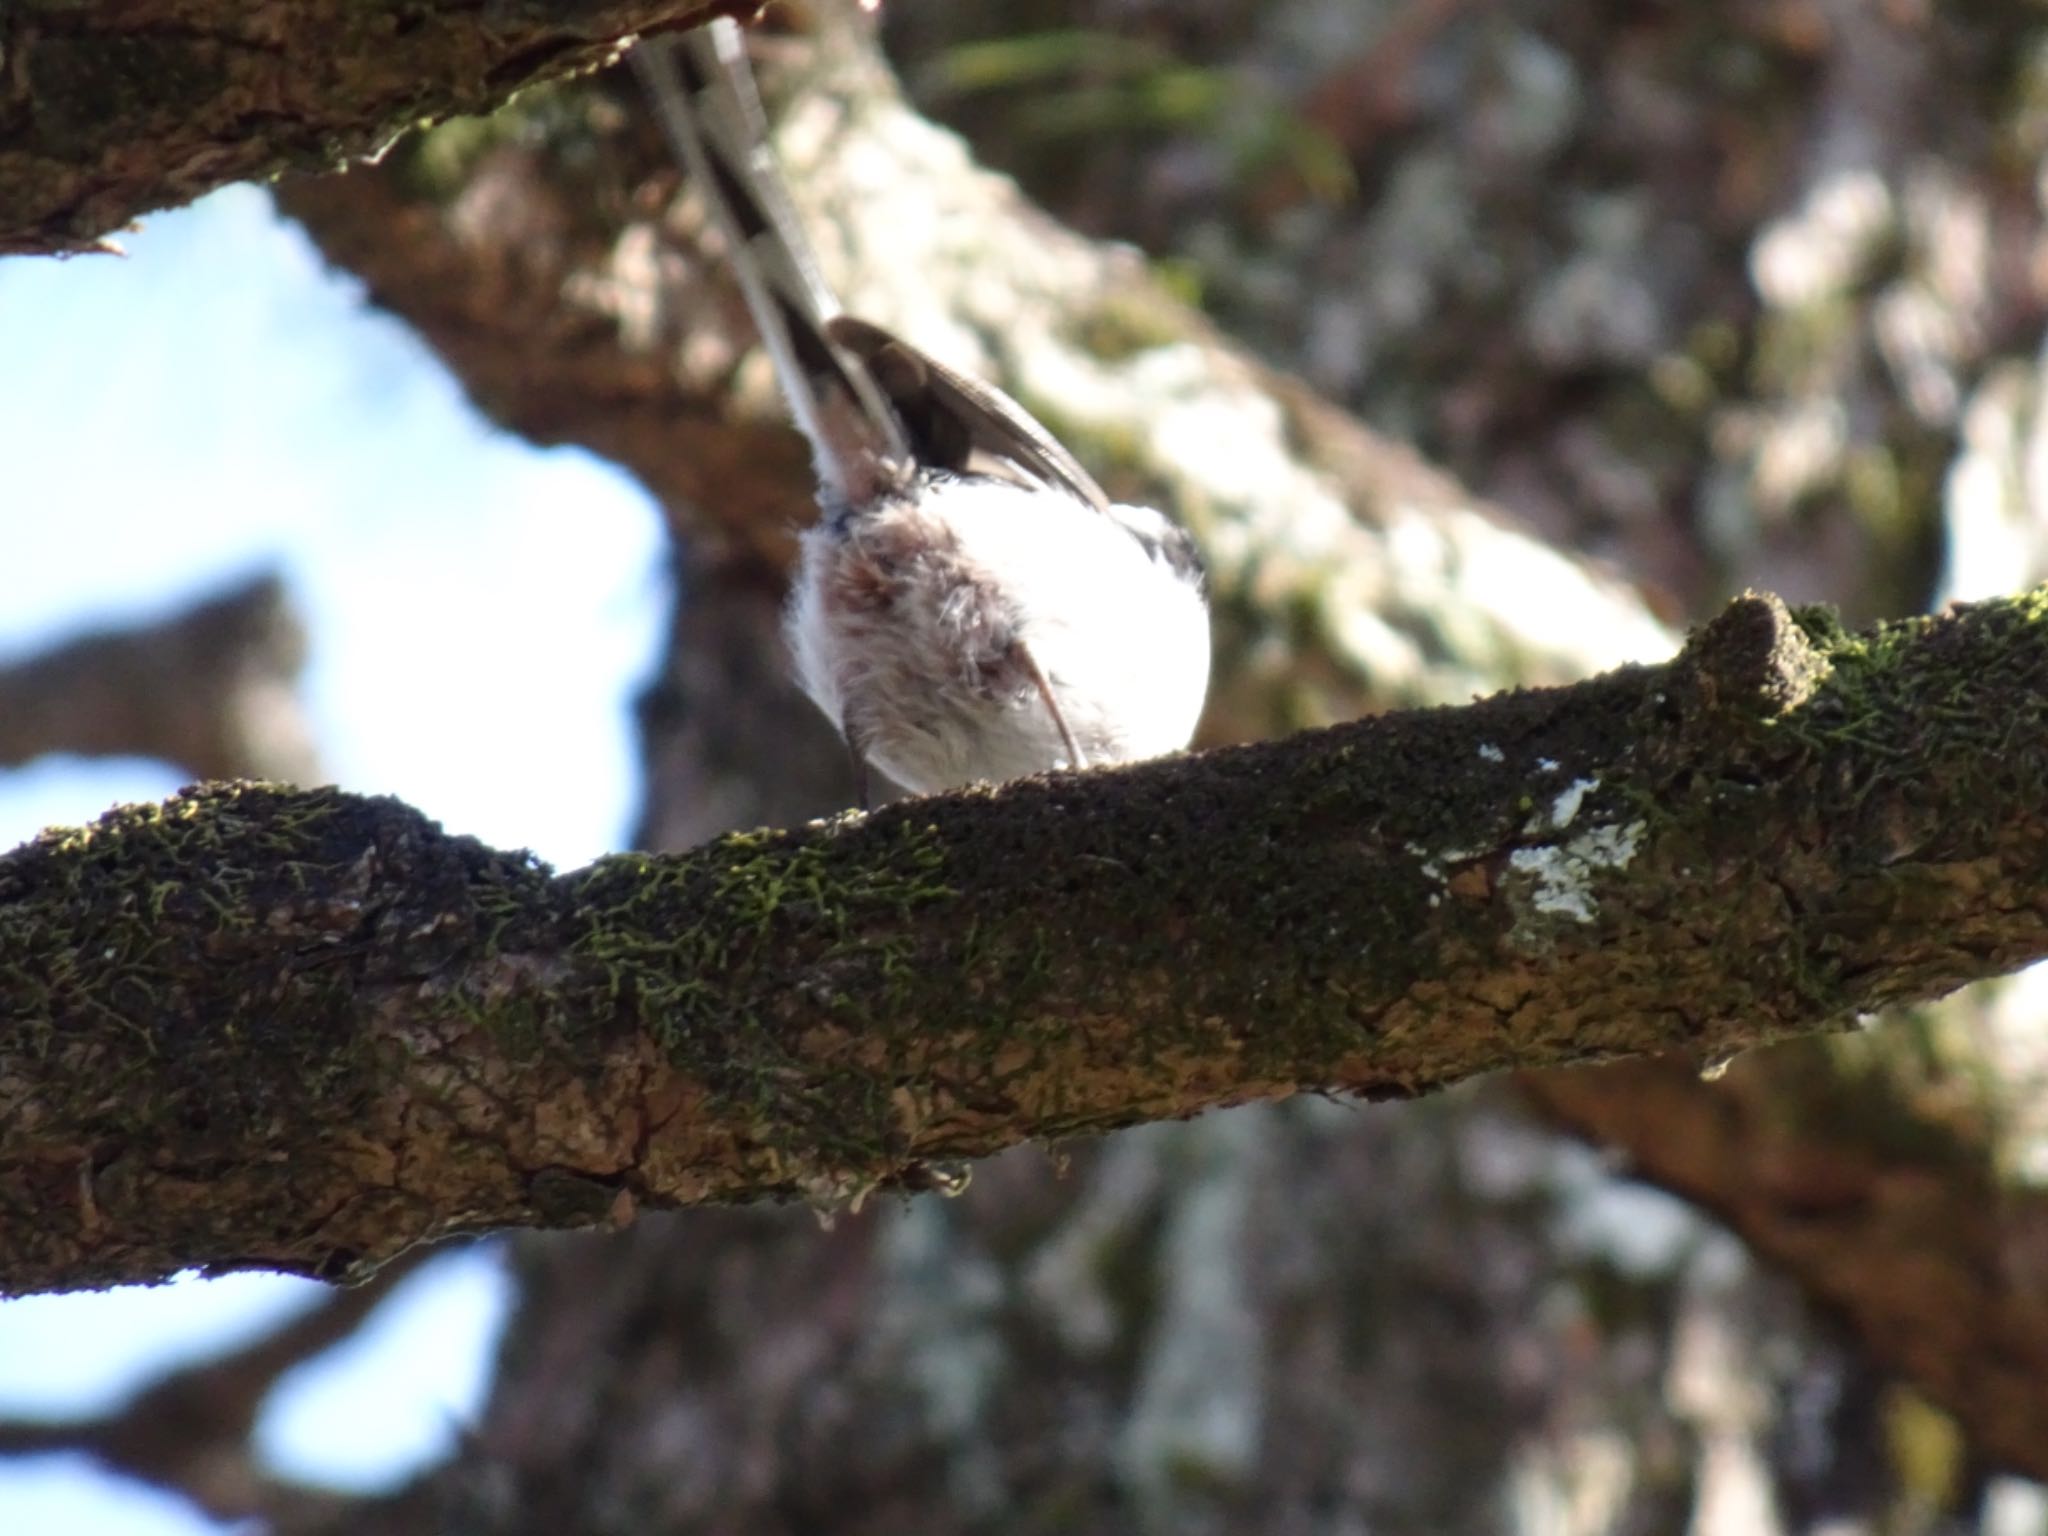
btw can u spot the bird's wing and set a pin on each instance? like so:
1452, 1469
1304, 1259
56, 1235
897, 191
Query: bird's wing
957, 422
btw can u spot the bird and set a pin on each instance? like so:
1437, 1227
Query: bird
969, 606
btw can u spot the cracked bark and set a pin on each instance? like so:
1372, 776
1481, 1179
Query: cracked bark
384, 1034
463, 265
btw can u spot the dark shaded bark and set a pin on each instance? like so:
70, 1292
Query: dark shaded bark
333, 1031
107, 113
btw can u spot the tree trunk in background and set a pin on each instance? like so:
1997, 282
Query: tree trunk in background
1712, 293
1316, 1317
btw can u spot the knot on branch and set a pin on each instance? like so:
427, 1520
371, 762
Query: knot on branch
1751, 664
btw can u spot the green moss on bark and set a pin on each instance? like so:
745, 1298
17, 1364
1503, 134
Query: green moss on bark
321, 1003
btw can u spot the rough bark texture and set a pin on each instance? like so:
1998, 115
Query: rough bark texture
108, 112
1743, 296
306, 1030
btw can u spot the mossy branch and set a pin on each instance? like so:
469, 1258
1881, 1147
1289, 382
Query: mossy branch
303, 1029
109, 112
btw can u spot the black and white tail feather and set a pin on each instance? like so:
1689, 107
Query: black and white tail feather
971, 606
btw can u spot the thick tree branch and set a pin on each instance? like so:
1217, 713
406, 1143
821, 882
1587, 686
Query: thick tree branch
109, 112
303, 1030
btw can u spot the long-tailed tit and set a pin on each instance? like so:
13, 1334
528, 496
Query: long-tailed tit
970, 606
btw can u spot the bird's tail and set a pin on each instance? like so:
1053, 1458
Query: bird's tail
704, 94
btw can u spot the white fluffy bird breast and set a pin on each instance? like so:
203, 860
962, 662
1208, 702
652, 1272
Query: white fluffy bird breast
924, 622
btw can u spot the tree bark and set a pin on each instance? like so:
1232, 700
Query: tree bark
305, 1030
107, 113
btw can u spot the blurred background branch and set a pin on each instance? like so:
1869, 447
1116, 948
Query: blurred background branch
191, 1430
211, 690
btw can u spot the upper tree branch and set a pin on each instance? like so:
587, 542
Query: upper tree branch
108, 112
303, 1030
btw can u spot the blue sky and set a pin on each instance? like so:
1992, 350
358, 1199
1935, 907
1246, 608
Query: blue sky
480, 613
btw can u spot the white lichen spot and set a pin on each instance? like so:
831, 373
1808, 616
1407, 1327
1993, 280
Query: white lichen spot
1566, 805
1431, 861
1546, 765
1491, 753
1561, 877
830, 1191
1426, 861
